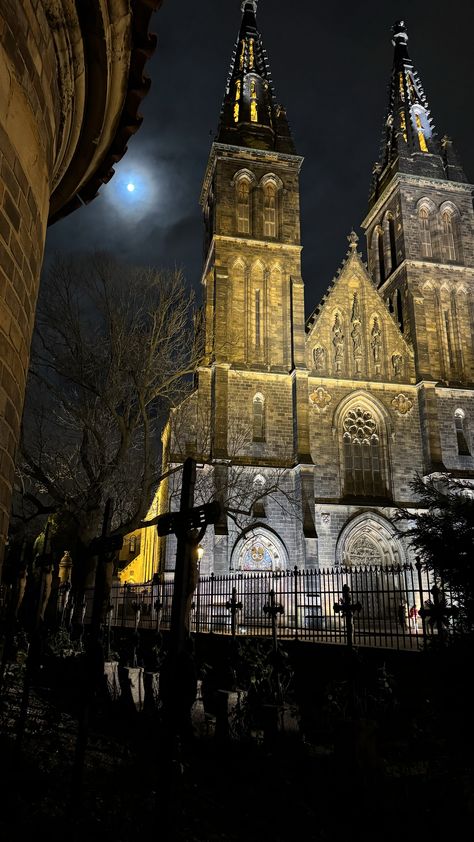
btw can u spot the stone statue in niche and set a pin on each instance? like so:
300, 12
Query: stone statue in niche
319, 356
376, 343
356, 333
397, 360
338, 342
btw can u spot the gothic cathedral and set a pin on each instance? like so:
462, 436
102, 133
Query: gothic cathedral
310, 432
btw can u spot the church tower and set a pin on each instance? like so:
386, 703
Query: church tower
247, 420
254, 308
419, 240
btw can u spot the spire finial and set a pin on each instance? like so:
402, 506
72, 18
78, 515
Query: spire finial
399, 33
252, 3
353, 240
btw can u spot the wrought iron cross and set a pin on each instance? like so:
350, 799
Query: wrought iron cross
347, 609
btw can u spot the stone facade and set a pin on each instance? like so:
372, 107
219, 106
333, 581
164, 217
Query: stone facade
310, 433
64, 80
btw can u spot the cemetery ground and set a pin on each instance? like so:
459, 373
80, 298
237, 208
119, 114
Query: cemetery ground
365, 745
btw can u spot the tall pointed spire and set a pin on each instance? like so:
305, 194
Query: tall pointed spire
409, 140
250, 115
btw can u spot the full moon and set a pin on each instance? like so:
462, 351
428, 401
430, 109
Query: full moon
130, 187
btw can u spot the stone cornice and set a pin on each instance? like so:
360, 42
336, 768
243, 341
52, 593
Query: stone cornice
416, 181
424, 264
224, 150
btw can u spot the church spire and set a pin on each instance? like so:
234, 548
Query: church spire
409, 127
409, 141
250, 115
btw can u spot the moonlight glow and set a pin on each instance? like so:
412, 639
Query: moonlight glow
130, 187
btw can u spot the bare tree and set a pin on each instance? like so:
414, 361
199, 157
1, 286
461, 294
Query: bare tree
114, 349
240, 488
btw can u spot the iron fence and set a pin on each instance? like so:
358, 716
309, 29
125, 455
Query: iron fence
390, 599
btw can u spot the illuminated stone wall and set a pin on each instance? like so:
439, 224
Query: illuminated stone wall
65, 70
28, 130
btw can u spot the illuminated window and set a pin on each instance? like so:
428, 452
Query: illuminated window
362, 454
237, 100
403, 125
242, 55
243, 206
425, 232
257, 319
402, 89
259, 418
251, 54
449, 247
253, 102
132, 543
461, 437
421, 135
269, 210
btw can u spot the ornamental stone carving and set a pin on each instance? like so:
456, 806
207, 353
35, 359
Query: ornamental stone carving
338, 342
397, 360
376, 343
321, 399
319, 357
356, 333
326, 518
402, 404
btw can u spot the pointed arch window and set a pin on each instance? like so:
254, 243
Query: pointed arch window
238, 88
258, 417
258, 320
399, 306
269, 209
390, 248
362, 454
461, 433
253, 102
425, 231
448, 237
380, 255
243, 206
421, 134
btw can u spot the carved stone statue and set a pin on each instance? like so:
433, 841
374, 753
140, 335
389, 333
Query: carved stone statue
356, 333
376, 342
338, 342
319, 356
397, 360
357, 340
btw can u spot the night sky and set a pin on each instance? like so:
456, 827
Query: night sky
331, 65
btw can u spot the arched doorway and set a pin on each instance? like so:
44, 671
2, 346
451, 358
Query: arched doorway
258, 554
370, 549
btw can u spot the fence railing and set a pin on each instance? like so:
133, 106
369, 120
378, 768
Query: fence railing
390, 600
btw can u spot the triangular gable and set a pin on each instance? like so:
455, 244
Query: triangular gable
353, 336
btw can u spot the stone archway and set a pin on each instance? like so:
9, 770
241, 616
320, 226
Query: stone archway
369, 539
371, 550
259, 550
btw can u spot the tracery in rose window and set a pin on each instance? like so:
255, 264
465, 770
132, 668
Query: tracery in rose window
362, 454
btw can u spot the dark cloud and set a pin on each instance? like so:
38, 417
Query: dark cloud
331, 65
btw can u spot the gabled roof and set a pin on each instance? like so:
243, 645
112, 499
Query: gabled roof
351, 334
